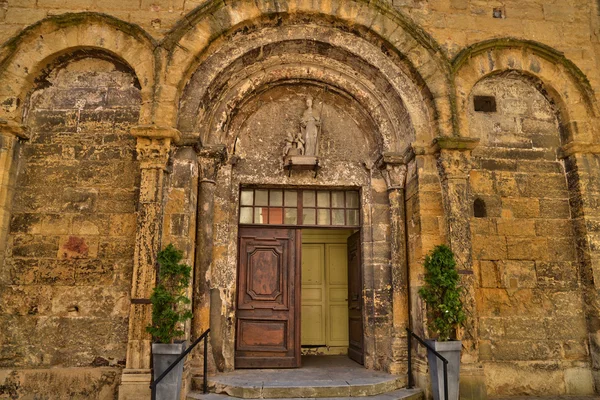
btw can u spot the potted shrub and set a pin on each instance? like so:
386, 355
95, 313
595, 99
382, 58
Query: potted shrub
442, 296
169, 311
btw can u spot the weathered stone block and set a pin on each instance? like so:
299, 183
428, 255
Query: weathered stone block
527, 248
34, 246
519, 274
520, 208
489, 247
557, 275
29, 223
516, 227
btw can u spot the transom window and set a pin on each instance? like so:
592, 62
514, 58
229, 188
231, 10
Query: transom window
300, 207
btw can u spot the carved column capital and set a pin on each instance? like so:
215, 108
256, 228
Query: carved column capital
154, 145
393, 168
210, 159
454, 156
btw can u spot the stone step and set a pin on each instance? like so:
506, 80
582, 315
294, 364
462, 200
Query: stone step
369, 383
400, 394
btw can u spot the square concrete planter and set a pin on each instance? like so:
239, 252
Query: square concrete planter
163, 355
451, 352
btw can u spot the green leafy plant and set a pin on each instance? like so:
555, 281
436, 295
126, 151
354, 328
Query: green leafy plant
169, 296
442, 293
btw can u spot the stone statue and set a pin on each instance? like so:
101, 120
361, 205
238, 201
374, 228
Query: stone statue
310, 126
294, 145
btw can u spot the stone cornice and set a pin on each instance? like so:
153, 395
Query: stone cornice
572, 148
216, 151
396, 158
156, 132
14, 129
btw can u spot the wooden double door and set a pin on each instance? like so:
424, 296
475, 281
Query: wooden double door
269, 298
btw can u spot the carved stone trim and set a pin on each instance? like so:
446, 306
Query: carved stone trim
153, 153
578, 148
154, 144
210, 159
394, 169
454, 156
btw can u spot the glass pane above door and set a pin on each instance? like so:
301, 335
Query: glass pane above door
299, 207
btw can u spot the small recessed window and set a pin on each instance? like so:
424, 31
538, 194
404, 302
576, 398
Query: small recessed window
479, 209
485, 103
498, 13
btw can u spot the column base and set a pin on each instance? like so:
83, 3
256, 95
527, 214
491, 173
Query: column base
135, 384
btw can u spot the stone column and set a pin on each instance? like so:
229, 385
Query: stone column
210, 159
10, 134
581, 167
454, 164
394, 168
153, 148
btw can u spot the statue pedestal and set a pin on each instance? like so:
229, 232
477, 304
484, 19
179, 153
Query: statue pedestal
301, 163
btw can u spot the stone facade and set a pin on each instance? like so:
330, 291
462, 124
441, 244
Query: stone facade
127, 125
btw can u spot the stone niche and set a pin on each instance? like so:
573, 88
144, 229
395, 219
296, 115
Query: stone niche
348, 147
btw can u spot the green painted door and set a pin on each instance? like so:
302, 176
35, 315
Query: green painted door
324, 298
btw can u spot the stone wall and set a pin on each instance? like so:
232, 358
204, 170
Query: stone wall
225, 79
530, 303
67, 277
454, 24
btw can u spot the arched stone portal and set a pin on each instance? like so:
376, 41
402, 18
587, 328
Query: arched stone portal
241, 103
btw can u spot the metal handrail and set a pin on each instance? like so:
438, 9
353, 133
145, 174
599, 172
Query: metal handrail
411, 382
181, 357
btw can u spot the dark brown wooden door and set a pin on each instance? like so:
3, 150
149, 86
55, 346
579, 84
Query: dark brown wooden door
268, 298
355, 301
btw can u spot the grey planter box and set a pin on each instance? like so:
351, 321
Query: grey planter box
163, 355
451, 352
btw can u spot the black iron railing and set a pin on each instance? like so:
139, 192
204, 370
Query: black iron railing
204, 337
411, 380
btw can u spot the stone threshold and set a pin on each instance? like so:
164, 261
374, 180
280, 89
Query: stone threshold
401, 394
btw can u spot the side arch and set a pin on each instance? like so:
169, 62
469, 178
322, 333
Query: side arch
25, 57
213, 24
556, 76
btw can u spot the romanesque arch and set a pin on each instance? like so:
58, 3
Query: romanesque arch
209, 27
563, 82
26, 56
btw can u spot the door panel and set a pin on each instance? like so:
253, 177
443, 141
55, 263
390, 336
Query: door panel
337, 289
267, 299
355, 320
313, 294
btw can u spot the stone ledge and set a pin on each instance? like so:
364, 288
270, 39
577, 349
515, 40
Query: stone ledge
454, 143
572, 148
